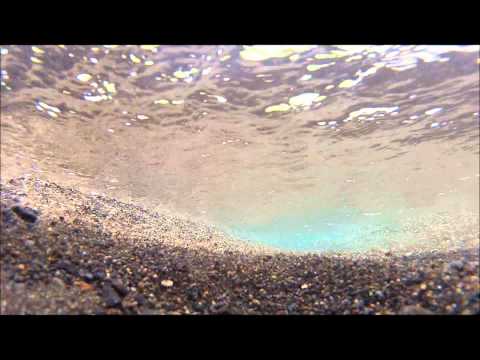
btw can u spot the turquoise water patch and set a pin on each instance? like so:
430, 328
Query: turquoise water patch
341, 229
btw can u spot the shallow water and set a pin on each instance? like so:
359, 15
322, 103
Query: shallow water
296, 147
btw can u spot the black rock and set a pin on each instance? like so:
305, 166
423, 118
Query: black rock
367, 311
360, 304
99, 275
475, 299
24, 213
379, 295
140, 299
67, 266
219, 308
110, 296
121, 289
88, 277
414, 280
292, 307
457, 265
8, 218
199, 306
18, 278
193, 293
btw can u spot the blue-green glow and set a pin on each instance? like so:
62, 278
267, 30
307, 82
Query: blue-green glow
325, 230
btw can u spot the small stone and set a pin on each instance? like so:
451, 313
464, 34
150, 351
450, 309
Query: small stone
110, 296
219, 308
29, 243
167, 283
414, 310
456, 265
24, 213
88, 277
67, 266
121, 289
360, 304
99, 275
199, 306
193, 293
83, 285
256, 302
57, 282
8, 218
129, 302
140, 299
292, 307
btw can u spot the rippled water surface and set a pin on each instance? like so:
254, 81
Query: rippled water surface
297, 147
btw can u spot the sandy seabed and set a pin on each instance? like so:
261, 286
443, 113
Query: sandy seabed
65, 252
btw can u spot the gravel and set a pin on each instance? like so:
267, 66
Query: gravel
89, 254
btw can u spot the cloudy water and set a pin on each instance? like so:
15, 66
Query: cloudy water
298, 147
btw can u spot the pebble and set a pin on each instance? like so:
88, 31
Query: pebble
414, 310
57, 282
167, 283
219, 308
193, 293
84, 286
99, 275
24, 213
199, 306
226, 281
456, 265
292, 307
118, 285
88, 277
140, 299
110, 296
379, 294
29, 243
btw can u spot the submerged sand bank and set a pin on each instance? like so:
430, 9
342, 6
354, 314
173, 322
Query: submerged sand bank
92, 254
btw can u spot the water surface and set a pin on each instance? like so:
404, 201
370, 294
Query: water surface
297, 147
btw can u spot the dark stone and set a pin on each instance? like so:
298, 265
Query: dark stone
118, 285
67, 266
414, 280
199, 306
88, 277
18, 277
474, 299
219, 307
379, 295
457, 265
360, 304
24, 213
367, 311
193, 293
99, 275
140, 299
292, 307
110, 296
8, 218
